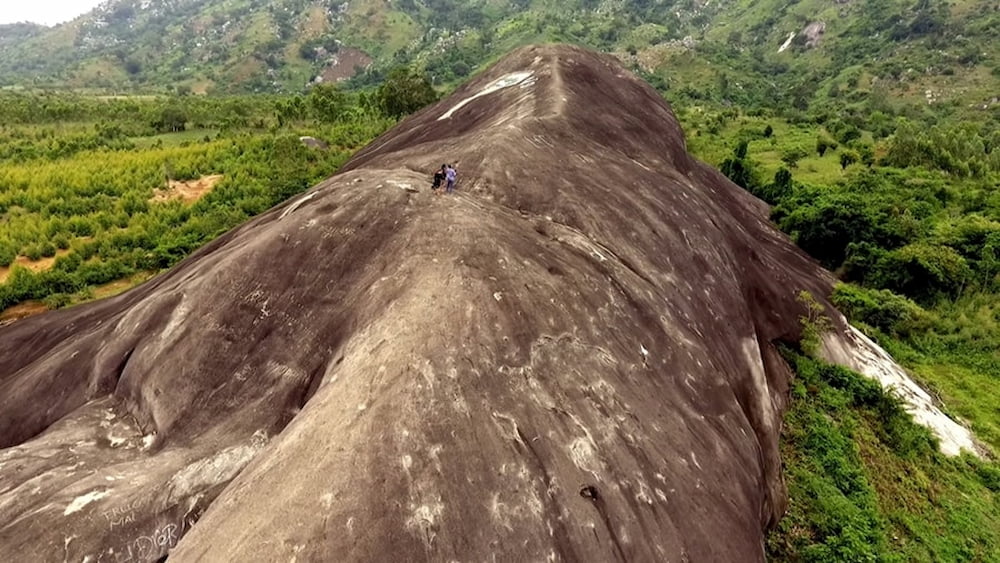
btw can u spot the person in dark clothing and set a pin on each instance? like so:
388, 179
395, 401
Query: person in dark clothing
439, 177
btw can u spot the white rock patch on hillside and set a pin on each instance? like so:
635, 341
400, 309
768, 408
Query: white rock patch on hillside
858, 352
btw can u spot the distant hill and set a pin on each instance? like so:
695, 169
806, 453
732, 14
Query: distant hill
798, 53
14, 33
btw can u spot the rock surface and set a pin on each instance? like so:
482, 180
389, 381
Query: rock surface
571, 358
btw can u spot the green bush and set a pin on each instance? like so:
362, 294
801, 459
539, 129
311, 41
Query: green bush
824, 143
57, 300
828, 225
880, 308
8, 252
61, 241
791, 156
923, 271
47, 249
34, 252
848, 157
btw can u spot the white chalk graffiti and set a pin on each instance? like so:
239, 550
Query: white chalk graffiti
148, 548
121, 515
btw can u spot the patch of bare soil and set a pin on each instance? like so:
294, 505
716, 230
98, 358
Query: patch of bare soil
188, 191
113, 288
33, 265
22, 311
344, 64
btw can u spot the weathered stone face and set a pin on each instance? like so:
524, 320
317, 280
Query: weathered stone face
571, 358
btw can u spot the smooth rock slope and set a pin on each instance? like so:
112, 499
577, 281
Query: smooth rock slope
572, 358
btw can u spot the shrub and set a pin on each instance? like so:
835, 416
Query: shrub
47, 249
57, 300
61, 241
879, 308
33, 252
989, 475
922, 271
847, 158
8, 252
778, 189
814, 322
824, 143
793, 155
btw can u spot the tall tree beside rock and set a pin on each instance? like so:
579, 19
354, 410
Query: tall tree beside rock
404, 91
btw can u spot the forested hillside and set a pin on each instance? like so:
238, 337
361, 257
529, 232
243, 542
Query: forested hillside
725, 51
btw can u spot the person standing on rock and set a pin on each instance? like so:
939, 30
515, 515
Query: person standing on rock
439, 176
450, 175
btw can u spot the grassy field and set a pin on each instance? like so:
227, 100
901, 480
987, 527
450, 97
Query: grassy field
767, 152
170, 140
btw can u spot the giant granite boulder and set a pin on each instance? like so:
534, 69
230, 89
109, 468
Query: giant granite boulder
574, 357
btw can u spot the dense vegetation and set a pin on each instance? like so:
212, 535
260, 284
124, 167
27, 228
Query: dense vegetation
857, 55
920, 244
901, 198
866, 484
95, 182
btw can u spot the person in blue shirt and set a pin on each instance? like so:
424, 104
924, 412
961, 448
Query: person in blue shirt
450, 174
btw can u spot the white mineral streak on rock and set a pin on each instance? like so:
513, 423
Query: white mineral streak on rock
751, 351
296, 205
787, 43
220, 468
83, 500
866, 357
505, 81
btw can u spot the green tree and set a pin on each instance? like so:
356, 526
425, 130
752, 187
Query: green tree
777, 190
404, 91
327, 102
739, 168
847, 158
924, 272
824, 143
826, 226
290, 110
133, 67
866, 154
792, 156
171, 120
